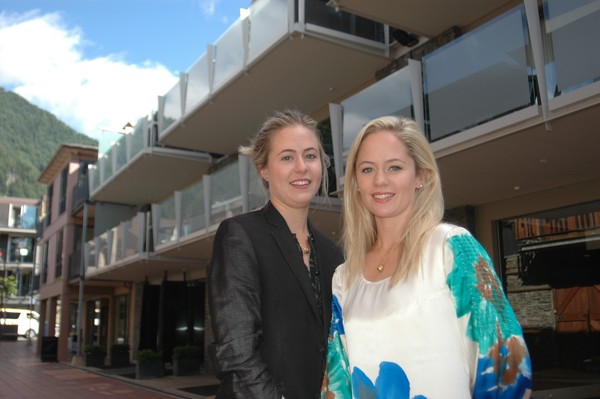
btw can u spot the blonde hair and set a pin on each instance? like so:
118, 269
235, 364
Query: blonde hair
260, 145
360, 232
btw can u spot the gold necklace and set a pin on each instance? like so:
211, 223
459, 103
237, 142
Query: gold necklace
380, 267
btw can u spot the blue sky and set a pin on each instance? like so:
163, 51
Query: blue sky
97, 64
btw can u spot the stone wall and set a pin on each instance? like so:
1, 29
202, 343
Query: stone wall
533, 305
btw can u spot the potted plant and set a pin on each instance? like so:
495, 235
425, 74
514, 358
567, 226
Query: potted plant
186, 359
119, 355
149, 364
94, 355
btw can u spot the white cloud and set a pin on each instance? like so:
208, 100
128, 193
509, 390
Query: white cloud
42, 61
209, 7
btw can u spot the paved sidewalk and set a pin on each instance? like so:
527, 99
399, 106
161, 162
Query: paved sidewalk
24, 376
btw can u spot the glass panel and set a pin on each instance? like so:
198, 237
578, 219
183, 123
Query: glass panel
102, 249
225, 192
4, 212
192, 205
389, 96
121, 152
172, 107
90, 254
20, 249
117, 243
28, 216
268, 23
106, 164
197, 84
318, 13
257, 191
95, 173
573, 29
137, 137
229, 54
478, 77
131, 239
166, 221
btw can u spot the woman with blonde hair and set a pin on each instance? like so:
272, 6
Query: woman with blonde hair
418, 311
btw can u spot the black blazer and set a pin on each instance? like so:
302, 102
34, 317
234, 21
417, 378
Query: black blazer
269, 337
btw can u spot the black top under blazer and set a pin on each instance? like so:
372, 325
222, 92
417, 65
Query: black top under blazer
269, 337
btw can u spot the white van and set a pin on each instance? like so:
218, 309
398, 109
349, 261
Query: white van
27, 321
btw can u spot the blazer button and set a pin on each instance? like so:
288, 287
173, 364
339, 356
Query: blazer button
321, 348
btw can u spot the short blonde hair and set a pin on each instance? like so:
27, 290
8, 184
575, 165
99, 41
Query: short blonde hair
360, 232
260, 145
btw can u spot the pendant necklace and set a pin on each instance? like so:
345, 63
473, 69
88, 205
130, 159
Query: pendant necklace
380, 267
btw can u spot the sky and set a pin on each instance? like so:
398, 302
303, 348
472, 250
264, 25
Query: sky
98, 64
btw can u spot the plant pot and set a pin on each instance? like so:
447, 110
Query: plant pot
119, 358
94, 360
186, 366
146, 370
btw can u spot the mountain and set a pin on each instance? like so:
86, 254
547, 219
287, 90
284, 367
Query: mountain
29, 138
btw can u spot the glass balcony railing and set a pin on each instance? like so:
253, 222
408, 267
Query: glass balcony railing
389, 96
481, 76
573, 29
183, 213
166, 221
121, 242
192, 208
226, 194
251, 37
171, 109
229, 55
122, 152
267, 26
197, 88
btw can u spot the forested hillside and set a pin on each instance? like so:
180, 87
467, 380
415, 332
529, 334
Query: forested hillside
29, 138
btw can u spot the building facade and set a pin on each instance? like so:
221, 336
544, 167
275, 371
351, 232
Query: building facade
59, 242
507, 92
18, 220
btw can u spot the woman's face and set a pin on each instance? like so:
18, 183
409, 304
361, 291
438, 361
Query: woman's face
386, 176
293, 168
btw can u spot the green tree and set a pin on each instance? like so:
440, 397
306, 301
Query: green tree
8, 287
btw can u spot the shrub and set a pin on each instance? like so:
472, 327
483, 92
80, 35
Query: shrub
93, 350
148, 355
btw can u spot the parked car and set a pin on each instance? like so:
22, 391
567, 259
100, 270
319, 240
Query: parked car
27, 321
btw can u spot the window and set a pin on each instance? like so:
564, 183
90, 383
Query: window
62, 204
49, 204
59, 250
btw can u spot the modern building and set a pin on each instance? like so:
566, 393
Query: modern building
508, 94
60, 240
18, 218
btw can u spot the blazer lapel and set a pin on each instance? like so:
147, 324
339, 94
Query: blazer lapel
289, 249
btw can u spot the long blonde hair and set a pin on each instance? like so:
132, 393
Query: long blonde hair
360, 231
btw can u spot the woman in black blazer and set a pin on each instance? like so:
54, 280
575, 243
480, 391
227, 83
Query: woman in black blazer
269, 280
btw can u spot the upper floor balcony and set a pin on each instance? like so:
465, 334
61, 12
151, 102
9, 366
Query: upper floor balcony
137, 170
176, 236
284, 53
18, 216
510, 107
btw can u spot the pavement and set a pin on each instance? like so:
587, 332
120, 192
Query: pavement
23, 375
